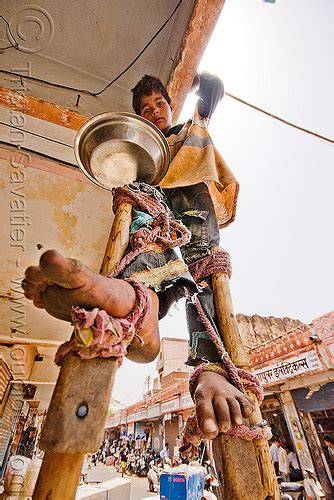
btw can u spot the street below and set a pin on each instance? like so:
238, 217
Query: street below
139, 485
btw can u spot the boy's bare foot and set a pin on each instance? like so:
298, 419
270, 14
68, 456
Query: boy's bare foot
59, 283
219, 405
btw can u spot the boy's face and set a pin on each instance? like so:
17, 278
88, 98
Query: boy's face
156, 109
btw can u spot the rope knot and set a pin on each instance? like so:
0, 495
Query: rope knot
165, 231
97, 334
192, 437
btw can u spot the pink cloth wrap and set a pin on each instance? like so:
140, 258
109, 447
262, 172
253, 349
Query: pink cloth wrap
97, 334
192, 437
241, 379
165, 231
217, 261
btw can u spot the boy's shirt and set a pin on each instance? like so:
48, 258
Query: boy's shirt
196, 160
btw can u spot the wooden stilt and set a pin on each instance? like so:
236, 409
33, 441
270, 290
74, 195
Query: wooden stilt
76, 417
245, 468
118, 239
59, 476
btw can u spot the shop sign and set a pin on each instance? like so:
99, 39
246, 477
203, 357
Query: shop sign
139, 430
131, 418
331, 350
186, 401
153, 411
140, 415
173, 404
123, 417
122, 431
289, 368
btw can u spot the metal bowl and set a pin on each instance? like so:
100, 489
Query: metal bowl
114, 149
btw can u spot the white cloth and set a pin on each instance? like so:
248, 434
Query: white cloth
283, 462
293, 460
164, 454
273, 452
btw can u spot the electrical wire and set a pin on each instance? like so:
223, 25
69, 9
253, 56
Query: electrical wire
11, 46
89, 92
324, 139
286, 122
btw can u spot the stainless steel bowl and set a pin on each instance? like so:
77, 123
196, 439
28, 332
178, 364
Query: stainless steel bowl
113, 149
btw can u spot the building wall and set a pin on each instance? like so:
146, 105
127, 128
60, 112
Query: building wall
8, 422
171, 433
172, 357
173, 378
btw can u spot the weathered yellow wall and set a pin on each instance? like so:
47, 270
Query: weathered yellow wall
44, 205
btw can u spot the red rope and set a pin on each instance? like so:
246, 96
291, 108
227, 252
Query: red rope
217, 261
165, 231
241, 379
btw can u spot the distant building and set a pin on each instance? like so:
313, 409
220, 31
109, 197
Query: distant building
172, 357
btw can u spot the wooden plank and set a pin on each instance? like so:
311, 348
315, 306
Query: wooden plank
118, 239
59, 476
237, 469
246, 468
82, 386
75, 421
202, 23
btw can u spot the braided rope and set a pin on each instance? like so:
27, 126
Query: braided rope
97, 334
241, 379
217, 261
165, 231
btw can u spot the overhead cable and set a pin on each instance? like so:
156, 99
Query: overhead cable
89, 92
286, 122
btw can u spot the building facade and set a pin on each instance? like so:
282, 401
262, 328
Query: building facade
294, 363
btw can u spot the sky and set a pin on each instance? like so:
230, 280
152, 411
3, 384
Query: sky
277, 57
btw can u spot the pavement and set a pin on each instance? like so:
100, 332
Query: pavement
139, 485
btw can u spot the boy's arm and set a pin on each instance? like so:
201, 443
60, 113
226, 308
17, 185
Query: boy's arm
210, 92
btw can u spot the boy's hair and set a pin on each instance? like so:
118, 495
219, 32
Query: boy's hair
146, 86
328, 438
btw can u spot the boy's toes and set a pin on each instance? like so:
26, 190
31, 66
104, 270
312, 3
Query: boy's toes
68, 273
222, 413
33, 274
247, 406
235, 411
205, 416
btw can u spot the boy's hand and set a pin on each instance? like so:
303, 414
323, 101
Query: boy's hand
219, 405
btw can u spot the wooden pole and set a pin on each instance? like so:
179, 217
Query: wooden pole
245, 468
76, 417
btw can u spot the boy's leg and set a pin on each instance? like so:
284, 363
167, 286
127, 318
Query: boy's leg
58, 283
218, 403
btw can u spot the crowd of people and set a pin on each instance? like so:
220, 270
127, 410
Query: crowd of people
285, 460
127, 459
